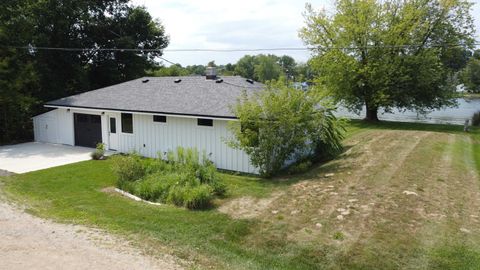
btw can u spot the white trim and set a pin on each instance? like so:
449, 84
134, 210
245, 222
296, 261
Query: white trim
158, 122
121, 125
144, 113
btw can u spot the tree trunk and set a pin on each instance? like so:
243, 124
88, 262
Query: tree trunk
372, 113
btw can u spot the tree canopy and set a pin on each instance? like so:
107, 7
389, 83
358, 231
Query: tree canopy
282, 124
265, 68
35, 76
470, 76
386, 54
262, 68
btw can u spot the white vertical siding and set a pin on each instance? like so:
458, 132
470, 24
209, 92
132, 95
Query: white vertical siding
56, 126
151, 138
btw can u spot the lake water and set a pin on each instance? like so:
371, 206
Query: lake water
456, 115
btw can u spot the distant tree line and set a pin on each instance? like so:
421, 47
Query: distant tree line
470, 75
260, 67
29, 77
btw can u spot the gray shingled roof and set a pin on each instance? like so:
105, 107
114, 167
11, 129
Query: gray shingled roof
194, 95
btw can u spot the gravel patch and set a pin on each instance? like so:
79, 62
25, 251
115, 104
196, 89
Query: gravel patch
28, 242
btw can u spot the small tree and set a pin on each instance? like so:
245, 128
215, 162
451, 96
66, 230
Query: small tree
282, 123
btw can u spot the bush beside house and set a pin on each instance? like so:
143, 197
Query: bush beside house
283, 125
183, 178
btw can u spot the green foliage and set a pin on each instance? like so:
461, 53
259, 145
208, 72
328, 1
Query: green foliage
195, 197
128, 168
246, 67
29, 78
300, 167
264, 68
281, 124
172, 71
260, 67
389, 54
470, 76
184, 178
19, 80
476, 119
267, 68
338, 236
99, 152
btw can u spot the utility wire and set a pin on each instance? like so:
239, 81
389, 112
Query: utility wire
168, 61
33, 48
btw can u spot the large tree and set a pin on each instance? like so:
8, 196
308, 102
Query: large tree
263, 67
386, 54
267, 68
73, 35
18, 79
245, 66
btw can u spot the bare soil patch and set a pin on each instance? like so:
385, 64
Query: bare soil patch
248, 207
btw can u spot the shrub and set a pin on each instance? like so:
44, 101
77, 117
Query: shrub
150, 188
191, 197
128, 167
183, 179
476, 119
198, 197
277, 124
99, 152
300, 167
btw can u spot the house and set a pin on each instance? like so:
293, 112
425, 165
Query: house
152, 115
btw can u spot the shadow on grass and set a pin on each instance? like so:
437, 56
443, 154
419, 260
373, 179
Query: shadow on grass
361, 124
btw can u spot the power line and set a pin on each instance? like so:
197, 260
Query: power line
140, 50
168, 61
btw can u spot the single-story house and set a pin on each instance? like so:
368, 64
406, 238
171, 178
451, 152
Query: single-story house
152, 115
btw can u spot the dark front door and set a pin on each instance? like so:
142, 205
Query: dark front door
88, 129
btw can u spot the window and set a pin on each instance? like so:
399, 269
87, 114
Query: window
113, 125
127, 123
205, 122
160, 118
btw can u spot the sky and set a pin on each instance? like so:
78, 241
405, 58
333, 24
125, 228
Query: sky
221, 24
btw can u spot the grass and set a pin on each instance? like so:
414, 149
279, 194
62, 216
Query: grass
382, 160
471, 95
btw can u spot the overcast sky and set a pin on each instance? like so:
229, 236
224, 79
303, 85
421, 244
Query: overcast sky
220, 24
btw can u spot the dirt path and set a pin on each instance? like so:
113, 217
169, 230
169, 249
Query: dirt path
28, 242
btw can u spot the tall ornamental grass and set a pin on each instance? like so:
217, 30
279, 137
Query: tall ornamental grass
182, 177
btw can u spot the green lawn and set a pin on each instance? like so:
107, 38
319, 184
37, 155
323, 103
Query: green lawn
407, 157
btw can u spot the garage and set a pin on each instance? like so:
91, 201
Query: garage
87, 129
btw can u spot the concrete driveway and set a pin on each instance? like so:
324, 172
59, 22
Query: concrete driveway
33, 156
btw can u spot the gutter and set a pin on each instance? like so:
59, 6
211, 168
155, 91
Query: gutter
184, 115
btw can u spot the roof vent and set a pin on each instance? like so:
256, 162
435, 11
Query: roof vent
145, 81
177, 80
211, 73
249, 81
219, 81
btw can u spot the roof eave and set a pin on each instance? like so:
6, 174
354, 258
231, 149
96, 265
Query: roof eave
185, 115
